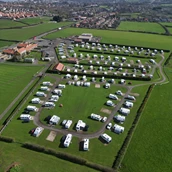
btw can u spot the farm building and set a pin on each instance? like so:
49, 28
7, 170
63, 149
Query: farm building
40, 94
36, 100
68, 124
37, 131
25, 117
96, 117
32, 108
67, 140
59, 67
54, 120
86, 145
118, 129
86, 37
119, 118
124, 111
80, 125
73, 60
106, 137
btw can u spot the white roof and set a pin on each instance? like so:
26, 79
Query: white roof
54, 119
68, 140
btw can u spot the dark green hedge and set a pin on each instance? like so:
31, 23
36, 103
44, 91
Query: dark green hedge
7, 139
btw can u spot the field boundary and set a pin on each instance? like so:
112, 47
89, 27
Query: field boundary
66, 157
121, 153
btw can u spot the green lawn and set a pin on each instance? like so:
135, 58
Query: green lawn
4, 23
33, 161
35, 20
150, 148
75, 107
117, 37
12, 80
29, 32
140, 26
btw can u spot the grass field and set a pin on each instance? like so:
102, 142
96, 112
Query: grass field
140, 26
170, 29
150, 148
166, 23
99, 153
12, 80
9, 23
43, 162
117, 37
5, 43
29, 32
35, 20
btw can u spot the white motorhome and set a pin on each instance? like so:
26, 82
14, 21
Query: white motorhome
37, 131
113, 96
128, 104
46, 83
119, 118
110, 103
49, 104
80, 125
44, 88
118, 129
124, 111
32, 108
25, 117
68, 140
130, 97
57, 92
86, 145
61, 86
40, 94
68, 124
36, 100
54, 98
54, 120
96, 117
106, 137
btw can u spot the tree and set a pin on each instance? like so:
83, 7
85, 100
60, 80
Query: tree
57, 18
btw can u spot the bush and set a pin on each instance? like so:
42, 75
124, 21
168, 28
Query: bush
7, 139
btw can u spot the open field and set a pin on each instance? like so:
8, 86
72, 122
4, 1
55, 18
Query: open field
141, 26
12, 80
166, 24
29, 32
99, 153
10, 23
117, 37
35, 20
5, 43
150, 148
43, 162
170, 29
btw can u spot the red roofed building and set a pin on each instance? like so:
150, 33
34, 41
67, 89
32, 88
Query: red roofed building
9, 51
73, 60
59, 67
